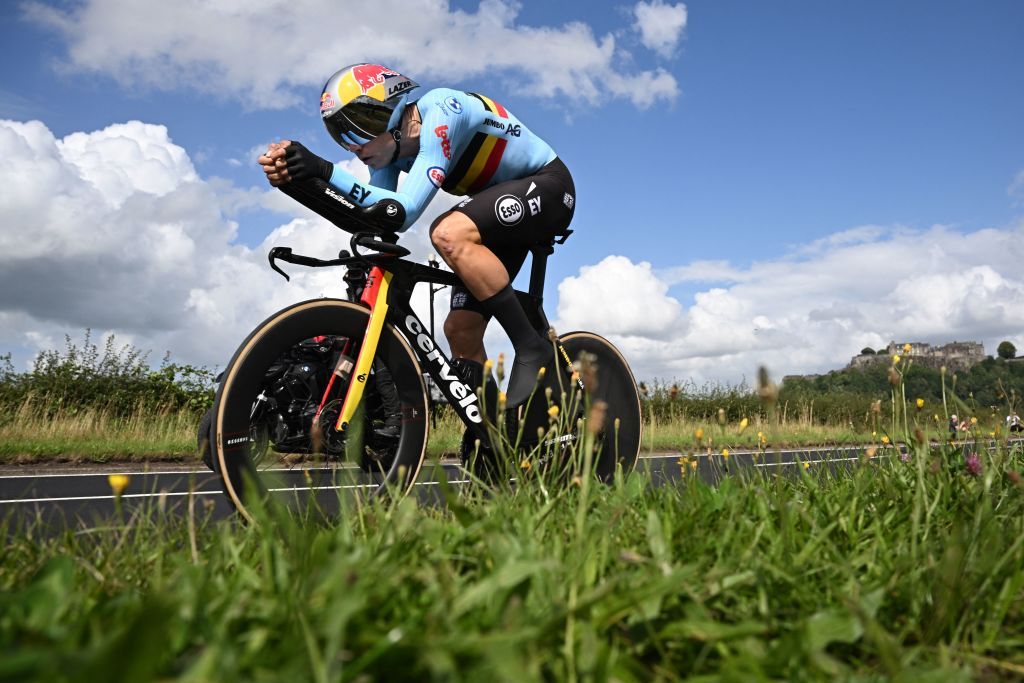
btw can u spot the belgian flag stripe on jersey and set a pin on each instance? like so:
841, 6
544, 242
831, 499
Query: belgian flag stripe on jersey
462, 166
481, 158
490, 165
491, 106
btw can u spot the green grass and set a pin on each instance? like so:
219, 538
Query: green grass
96, 435
28, 435
894, 570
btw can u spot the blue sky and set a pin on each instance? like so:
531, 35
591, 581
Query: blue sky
810, 178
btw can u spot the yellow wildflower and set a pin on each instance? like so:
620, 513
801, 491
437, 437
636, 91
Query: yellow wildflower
920, 403
885, 439
974, 420
870, 452
807, 465
906, 348
488, 364
118, 483
524, 465
725, 453
743, 424
698, 433
553, 411
693, 464
502, 398
895, 358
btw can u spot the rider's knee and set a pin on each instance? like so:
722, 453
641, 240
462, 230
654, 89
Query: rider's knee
452, 232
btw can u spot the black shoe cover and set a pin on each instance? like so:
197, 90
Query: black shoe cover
525, 368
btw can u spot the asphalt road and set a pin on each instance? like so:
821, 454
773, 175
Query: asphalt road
81, 495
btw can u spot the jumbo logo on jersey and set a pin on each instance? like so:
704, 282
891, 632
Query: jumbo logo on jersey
508, 209
436, 176
446, 144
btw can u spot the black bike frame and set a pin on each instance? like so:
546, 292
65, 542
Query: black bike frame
397, 278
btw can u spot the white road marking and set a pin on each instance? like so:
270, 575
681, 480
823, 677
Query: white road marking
208, 493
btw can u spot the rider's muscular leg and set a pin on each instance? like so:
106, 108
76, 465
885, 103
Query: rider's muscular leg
464, 331
458, 241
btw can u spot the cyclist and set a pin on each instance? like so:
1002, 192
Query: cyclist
518, 194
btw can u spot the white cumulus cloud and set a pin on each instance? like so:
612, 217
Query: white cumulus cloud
265, 53
619, 297
809, 311
660, 25
113, 230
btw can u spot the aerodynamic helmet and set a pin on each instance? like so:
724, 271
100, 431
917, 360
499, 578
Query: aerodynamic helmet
363, 101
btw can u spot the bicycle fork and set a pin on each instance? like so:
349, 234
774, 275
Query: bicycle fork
375, 295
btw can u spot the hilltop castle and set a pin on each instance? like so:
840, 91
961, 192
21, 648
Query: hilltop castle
955, 355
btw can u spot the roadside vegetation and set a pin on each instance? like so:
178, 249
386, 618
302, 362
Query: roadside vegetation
100, 402
907, 565
907, 569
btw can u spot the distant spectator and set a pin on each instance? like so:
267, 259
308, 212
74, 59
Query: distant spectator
1013, 423
952, 426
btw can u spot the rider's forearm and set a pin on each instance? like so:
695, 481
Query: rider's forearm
364, 194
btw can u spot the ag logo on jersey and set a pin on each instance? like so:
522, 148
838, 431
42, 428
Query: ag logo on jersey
508, 209
453, 104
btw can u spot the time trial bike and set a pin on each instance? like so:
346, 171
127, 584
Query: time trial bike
387, 350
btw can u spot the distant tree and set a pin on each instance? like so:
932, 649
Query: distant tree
882, 352
1006, 350
867, 351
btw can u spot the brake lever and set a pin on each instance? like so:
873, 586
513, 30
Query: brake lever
279, 252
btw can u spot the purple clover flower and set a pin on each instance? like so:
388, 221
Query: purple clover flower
973, 465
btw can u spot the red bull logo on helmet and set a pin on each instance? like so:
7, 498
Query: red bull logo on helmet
326, 102
369, 75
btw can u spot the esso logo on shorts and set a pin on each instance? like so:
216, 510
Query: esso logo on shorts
508, 209
436, 176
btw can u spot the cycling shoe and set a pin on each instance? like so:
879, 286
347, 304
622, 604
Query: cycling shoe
525, 370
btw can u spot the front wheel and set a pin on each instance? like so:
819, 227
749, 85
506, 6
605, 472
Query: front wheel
318, 470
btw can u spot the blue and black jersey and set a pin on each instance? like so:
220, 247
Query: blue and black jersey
468, 142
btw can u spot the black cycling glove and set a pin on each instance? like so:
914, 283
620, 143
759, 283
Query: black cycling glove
303, 164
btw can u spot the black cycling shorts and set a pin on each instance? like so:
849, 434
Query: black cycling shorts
516, 215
